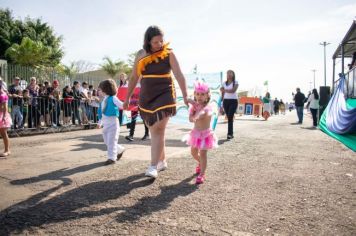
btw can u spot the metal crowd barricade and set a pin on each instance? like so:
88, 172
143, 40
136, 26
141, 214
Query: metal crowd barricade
44, 112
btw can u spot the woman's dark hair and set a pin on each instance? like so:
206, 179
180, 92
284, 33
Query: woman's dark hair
151, 32
268, 95
233, 77
316, 95
109, 87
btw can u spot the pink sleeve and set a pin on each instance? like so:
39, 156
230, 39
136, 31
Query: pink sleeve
208, 110
191, 110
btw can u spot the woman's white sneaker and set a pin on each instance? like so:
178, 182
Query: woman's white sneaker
151, 172
162, 165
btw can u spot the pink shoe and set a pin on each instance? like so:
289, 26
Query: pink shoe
200, 179
197, 170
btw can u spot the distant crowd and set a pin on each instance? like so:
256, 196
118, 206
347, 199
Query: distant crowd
47, 104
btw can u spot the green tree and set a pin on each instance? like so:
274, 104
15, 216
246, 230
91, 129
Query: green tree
29, 53
113, 68
8, 28
70, 71
13, 32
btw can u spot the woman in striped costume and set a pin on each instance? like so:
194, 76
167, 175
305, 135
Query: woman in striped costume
153, 65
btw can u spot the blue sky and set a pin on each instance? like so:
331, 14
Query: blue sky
276, 41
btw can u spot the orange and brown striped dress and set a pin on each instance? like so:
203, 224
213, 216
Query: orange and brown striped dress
157, 95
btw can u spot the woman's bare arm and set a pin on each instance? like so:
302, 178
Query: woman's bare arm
133, 78
179, 76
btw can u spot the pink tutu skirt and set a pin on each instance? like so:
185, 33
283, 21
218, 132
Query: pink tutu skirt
201, 139
7, 122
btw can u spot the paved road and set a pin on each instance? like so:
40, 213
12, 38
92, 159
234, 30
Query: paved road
273, 178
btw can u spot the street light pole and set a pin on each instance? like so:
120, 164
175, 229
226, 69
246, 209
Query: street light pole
324, 44
313, 70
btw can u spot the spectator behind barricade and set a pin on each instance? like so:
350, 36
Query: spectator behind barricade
55, 99
43, 103
15, 95
76, 103
84, 101
90, 89
94, 105
67, 104
4, 85
47, 103
26, 101
34, 113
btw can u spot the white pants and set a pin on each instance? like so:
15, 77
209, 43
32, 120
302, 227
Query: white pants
111, 131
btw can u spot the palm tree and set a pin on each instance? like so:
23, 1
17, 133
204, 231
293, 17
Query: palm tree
29, 53
70, 71
113, 68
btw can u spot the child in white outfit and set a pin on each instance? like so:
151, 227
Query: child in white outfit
108, 119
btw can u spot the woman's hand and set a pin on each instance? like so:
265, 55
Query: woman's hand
187, 101
222, 89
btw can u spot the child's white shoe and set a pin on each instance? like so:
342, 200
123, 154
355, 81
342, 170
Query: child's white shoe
151, 172
162, 165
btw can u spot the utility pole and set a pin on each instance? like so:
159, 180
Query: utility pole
324, 44
313, 70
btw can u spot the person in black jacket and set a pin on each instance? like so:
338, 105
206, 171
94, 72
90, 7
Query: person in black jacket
76, 102
299, 100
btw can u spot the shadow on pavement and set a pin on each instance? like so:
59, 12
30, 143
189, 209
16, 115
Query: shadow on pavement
60, 174
148, 205
37, 211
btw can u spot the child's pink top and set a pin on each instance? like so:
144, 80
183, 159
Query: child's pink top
197, 108
3, 98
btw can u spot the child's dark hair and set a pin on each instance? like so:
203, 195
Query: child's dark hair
65, 88
94, 93
151, 32
109, 87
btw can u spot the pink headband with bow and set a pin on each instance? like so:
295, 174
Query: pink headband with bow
201, 87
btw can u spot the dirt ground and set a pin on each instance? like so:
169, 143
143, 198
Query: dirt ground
274, 178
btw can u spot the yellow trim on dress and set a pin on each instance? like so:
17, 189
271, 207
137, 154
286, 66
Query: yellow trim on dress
173, 89
160, 108
157, 76
154, 57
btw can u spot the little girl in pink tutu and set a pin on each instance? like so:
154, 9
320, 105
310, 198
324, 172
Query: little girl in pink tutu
201, 138
5, 119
